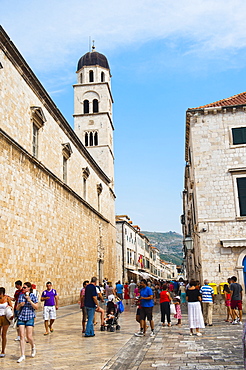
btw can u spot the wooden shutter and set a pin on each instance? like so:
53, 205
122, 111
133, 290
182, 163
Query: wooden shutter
241, 186
239, 135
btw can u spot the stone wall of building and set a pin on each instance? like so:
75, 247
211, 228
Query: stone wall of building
47, 231
211, 204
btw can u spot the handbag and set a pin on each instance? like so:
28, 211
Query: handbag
9, 313
172, 309
15, 323
121, 307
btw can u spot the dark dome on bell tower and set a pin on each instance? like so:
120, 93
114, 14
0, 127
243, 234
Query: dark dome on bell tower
93, 58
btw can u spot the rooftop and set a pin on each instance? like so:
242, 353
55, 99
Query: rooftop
239, 99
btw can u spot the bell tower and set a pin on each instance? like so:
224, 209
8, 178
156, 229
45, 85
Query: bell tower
93, 101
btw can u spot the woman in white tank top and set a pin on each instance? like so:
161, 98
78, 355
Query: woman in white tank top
4, 323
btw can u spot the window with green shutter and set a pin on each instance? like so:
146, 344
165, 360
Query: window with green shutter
241, 187
239, 135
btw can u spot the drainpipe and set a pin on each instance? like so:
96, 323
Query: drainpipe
123, 254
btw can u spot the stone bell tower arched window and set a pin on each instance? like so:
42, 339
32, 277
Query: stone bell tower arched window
96, 139
91, 138
95, 106
86, 139
86, 106
91, 76
102, 77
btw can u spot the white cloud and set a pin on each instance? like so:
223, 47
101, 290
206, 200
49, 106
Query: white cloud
52, 33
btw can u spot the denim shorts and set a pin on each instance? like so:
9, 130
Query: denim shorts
29, 322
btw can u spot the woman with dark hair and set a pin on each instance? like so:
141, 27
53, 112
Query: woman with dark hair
165, 299
194, 308
126, 292
227, 296
27, 304
5, 301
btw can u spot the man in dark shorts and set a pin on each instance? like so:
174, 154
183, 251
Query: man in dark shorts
146, 308
236, 300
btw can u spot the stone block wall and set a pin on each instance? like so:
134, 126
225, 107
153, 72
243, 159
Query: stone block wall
47, 231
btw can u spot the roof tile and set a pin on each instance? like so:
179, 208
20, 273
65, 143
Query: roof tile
239, 99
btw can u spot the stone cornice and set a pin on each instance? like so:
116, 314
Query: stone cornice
96, 83
95, 114
233, 243
239, 169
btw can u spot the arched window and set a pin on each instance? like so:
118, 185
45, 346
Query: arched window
95, 106
86, 106
96, 138
102, 77
81, 78
91, 76
86, 139
91, 139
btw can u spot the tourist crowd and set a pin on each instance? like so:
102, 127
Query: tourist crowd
172, 296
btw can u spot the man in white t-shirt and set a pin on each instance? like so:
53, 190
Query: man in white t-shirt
132, 287
207, 293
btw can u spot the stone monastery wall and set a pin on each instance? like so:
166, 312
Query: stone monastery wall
49, 229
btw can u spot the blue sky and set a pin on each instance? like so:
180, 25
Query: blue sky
164, 57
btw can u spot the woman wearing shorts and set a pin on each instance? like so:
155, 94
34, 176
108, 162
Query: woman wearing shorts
27, 304
5, 301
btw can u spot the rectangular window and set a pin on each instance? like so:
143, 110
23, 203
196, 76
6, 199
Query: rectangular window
84, 188
64, 169
239, 135
241, 187
34, 140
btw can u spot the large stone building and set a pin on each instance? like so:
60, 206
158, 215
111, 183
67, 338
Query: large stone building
214, 197
57, 196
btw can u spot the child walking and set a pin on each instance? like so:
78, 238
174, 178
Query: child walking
178, 314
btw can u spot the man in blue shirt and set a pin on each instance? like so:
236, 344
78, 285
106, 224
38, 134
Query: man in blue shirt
90, 303
146, 307
207, 293
119, 290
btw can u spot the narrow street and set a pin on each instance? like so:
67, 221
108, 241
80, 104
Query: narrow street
219, 348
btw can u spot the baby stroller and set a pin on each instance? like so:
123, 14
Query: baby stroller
112, 317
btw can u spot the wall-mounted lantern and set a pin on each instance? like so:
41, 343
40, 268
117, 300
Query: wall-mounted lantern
188, 242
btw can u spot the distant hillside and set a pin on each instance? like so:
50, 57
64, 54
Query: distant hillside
169, 244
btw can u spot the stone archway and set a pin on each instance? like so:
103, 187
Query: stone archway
239, 267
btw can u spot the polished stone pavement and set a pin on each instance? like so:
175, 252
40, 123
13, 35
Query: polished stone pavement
219, 348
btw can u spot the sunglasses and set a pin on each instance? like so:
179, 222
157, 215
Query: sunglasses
25, 287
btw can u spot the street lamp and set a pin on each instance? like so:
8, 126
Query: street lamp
188, 242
